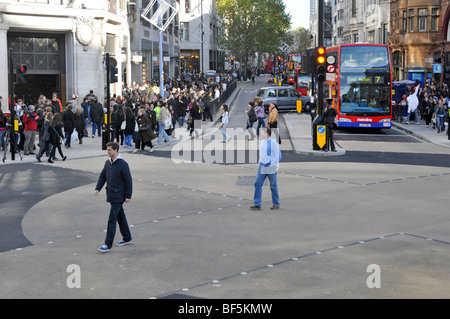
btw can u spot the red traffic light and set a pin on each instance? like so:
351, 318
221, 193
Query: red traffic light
279, 58
232, 59
23, 69
21, 74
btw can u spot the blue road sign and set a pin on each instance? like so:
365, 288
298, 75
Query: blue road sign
437, 68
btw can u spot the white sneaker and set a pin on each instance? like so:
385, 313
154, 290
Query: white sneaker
151, 150
135, 150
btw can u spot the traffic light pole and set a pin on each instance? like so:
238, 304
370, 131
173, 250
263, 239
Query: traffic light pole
320, 40
106, 139
12, 111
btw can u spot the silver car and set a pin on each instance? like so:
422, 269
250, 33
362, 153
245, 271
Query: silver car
285, 97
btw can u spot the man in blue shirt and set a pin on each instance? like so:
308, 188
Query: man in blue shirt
269, 158
116, 174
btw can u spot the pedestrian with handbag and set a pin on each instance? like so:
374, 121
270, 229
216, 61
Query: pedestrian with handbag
260, 114
56, 135
145, 134
273, 120
252, 118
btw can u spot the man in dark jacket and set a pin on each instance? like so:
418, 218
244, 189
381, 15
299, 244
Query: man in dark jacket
117, 175
97, 114
329, 113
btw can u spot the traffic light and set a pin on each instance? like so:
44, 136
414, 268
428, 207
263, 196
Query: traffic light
279, 58
232, 59
320, 63
113, 75
22, 74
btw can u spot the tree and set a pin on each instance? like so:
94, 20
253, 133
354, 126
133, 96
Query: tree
301, 40
251, 26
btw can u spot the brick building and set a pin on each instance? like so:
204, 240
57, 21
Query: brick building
415, 38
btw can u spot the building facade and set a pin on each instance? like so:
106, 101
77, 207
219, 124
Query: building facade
145, 53
416, 39
63, 44
199, 32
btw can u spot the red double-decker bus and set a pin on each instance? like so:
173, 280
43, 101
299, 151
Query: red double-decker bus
360, 89
294, 65
270, 65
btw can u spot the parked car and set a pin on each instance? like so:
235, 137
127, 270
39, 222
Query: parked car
285, 97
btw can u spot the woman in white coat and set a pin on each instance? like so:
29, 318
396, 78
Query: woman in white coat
223, 127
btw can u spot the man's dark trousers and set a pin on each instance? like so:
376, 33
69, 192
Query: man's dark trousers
117, 215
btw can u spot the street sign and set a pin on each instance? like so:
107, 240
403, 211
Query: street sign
157, 18
330, 77
321, 135
437, 68
331, 59
331, 68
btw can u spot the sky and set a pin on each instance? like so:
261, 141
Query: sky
299, 10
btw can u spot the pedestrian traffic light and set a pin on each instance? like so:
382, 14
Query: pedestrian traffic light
113, 75
279, 58
22, 74
320, 63
232, 59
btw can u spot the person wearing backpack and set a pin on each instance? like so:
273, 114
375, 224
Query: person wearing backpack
252, 118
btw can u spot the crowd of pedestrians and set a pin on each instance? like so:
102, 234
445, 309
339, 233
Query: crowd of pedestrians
140, 115
429, 103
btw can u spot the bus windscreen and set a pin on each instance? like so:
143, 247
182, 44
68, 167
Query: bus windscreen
365, 84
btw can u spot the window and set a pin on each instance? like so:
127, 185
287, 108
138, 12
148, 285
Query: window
411, 20
405, 20
341, 14
187, 6
272, 93
434, 19
283, 93
371, 36
354, 8
294, 93
422, 20
384, 33
184, 31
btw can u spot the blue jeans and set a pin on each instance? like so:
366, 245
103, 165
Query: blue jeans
2, 138
117, 215
260, 124
260, 178
162, 133
415, 114
128, 140
224, 132
440, 123
97, 125
180, 121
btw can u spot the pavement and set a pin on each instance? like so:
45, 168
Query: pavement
300, 131
194, 235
